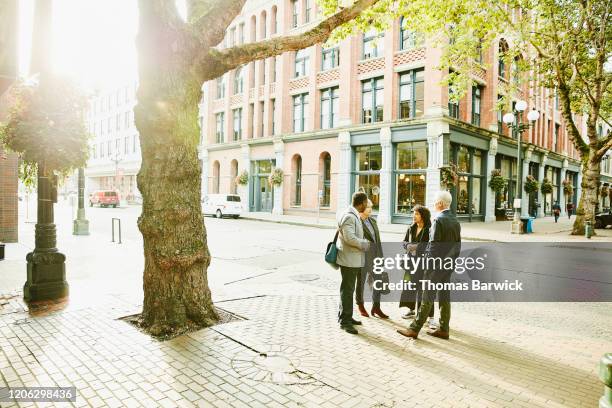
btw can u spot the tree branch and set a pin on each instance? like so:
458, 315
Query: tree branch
217, 62
607, 145
210, 19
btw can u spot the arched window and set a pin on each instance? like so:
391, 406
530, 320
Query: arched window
253, 28
239, 80
325, 172
216, 177
501, 58
263, 21
274, 20
296, 169
233, 175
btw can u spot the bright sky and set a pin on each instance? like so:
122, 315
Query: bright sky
94, 40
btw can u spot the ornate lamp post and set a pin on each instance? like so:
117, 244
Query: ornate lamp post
514, 121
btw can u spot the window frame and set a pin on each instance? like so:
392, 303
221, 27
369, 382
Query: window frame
374, 81
413, 100
377, 38
333, 94
236, 134
303, 103
301, 60
476, 100
220, 127
335, 57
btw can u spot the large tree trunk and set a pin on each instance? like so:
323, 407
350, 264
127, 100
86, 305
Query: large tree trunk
591, 166
176, 293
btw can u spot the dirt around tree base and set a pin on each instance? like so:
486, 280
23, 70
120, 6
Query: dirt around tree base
190, 327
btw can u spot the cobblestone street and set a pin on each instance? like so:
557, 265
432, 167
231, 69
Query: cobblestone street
283, 347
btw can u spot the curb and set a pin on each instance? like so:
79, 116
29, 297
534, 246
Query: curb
322, 226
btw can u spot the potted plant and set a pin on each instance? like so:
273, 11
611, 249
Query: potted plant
448, 176
546, 187
497, 181
276, 177
531, 184
243, 178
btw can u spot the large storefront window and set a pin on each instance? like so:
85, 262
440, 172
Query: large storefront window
468, 196
368, 162
410, 184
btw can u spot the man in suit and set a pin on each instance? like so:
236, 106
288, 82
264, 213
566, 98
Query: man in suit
444, 242
352, 247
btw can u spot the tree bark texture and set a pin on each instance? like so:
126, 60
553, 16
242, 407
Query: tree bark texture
591, 166
175, 285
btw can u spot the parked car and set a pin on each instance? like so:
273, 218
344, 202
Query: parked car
603, 220
104, 198
222, 204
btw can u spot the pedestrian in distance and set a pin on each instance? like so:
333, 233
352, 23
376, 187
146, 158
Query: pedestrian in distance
372, 234
352, 247
556, 210
415, 242
569, 208
444, 242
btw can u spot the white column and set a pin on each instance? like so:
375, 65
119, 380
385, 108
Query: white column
344, 171
436, 131
524, 195
384, 210
490, 194
279, 153
562, 202
204, 158
245, 164
540, 179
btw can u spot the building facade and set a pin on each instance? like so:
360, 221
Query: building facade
8, 161
371, 114
114, 157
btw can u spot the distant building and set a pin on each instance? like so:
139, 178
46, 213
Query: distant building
114, 157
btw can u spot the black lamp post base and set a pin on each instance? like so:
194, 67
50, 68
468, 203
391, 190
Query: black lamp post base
46, 277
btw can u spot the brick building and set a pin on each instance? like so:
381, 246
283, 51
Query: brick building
369, 113
8, 161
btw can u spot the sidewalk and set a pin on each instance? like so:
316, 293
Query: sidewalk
285, 349
545, 229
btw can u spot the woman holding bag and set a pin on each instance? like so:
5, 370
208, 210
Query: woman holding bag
372, 234
415, 242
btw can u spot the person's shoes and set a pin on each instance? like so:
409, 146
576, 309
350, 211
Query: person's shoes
408, 315
432, 324
349, 329
355, 322
377, 312
439, 334
409, 333
362, 310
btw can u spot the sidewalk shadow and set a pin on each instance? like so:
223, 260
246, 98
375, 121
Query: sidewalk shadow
505, 361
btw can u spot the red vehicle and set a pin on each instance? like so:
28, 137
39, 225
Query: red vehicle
104, 198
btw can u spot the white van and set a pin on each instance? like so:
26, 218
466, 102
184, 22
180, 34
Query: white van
222, 204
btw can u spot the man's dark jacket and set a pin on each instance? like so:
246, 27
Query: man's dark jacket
445, 237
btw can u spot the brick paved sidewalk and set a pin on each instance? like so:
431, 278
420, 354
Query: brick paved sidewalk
289, 352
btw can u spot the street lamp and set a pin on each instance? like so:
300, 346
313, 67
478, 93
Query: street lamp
514, 121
